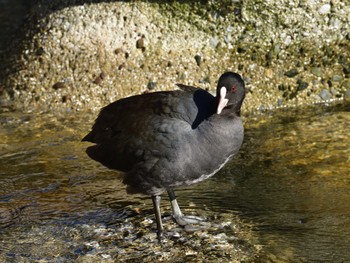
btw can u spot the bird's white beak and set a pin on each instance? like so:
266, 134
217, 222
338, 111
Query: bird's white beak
222, 100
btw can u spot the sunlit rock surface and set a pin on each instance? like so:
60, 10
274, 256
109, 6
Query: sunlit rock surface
78, 56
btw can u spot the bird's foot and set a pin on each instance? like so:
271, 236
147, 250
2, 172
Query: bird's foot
186, 220
191, 223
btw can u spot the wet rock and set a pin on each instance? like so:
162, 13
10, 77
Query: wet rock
291, 73
83, 249
325, 95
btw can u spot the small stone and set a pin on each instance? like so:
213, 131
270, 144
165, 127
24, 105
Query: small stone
288, 40
65, 98
237, 11
241, 49
169, 64
346, 85
325, 95
198, 59
346, 68
325, 9
329, 83
347, 95
302, 85
151, 85
100, 78
282, 87
334, 91
316, 71
40, 51
291, 73
277, 49
206, 79
59, 85
227, 39
337, 78
269, 73
140, 43
214, 42
118, 51
269, 56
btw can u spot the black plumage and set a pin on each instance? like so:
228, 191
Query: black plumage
164, 140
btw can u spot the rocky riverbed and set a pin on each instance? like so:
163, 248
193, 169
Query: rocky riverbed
75, 56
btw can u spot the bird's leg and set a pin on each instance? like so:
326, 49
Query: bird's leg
156, 206
177, 214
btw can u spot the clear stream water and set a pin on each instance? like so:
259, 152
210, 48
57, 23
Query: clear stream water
284, 198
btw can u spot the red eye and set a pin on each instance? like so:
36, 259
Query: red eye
233, 89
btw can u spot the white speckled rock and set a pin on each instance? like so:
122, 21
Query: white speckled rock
77, 44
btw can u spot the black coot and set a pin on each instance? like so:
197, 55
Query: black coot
164, 140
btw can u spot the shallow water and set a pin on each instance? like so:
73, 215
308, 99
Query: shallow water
285, 197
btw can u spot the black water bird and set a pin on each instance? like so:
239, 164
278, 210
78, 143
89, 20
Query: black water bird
164, 140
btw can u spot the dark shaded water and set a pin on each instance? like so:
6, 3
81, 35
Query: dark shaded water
285, 197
